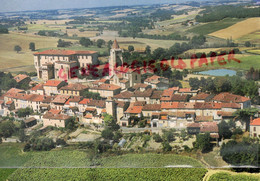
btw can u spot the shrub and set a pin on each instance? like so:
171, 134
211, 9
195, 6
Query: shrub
157, 138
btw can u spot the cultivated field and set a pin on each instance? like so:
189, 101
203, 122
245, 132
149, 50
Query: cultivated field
10, 58
239, 29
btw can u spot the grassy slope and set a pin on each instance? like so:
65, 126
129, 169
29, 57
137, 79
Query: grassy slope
5, 172
208, 28
231, 176
153, 174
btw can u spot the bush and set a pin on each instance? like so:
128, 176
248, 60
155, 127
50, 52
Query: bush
166, 146
157, 138
238, 131
107, 134
7, 128
60, 142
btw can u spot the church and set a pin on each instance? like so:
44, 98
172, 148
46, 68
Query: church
122, 78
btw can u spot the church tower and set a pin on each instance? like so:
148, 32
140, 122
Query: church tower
115, 55
111, 107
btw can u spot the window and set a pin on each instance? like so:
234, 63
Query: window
254, 128
135, 77
254, 134
123, 124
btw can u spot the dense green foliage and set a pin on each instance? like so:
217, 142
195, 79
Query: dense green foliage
62, 43
91, 95
224, 130
7, 128
17, 48
153, 174
241, 153
203, 142
85, 42
5, 172
216, 13
32, 46
245, 114
23, 112
238, 177
3, 30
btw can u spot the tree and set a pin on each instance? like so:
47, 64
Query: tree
85, 42
245, 114
224, 130
194, 83
131, 48
157, 138
70, 123
107, 133
7, 128
110, 122
168, 135
17, 48
32, 46
243, 153
247, 44
148, 50
23, 112
21, 135
203, 142
166, 146
100, 42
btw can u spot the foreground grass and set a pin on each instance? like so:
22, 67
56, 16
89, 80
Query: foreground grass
233, 177
178, 174
5, 172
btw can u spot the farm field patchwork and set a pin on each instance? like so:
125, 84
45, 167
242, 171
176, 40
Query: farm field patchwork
239, 29
234, 176
211, 27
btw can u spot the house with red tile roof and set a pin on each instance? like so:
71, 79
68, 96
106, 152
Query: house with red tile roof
56, 120
255, 128
124, 96
201, 97
226, 97
22, 79
106, 90
157, 82
73, 89
51, 87
188, 91
48, 63
38, 89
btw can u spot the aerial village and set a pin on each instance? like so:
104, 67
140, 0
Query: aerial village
150, 106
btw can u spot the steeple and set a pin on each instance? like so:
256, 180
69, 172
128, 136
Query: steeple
115, 45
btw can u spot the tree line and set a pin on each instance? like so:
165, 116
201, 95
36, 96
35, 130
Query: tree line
216, 13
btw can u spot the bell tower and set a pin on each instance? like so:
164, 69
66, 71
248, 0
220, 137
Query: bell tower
115, 55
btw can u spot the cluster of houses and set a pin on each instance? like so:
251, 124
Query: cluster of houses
174, 107
123, 96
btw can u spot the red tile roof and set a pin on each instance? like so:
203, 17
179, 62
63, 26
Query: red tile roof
147, 93
124, 95
74, 87
255, 122
9, 102
154, 79
97, 103
193, 125
134, 110
207, 105
53, 83
55, 116
37, 87
228, 97
169, 105
201, 96
152, 107
20, 77
211, 127
110, 87
64, 52
62, 99
84, 101
14, 91
54, 111
231, 105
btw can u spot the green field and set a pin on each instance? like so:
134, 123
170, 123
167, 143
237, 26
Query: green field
5, 172
13, 156
208, 28
233, 177
153, 174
